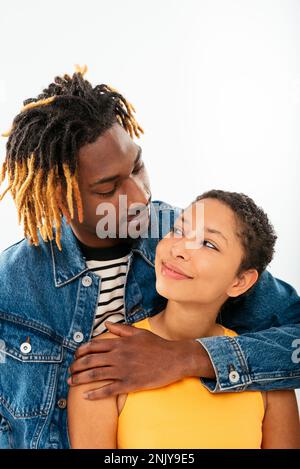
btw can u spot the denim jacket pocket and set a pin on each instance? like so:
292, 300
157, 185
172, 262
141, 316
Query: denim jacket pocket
28, 368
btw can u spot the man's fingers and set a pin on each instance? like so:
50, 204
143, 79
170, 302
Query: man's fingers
95, 346
106, 391
89, 361
122, 330
90, 376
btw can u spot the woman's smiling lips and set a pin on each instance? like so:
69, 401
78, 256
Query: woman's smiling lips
173, 272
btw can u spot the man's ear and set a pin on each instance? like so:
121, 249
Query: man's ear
242, 283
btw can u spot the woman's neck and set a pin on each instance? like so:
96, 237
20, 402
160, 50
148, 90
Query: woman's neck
180, 321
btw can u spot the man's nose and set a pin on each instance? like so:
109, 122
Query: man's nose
137, 192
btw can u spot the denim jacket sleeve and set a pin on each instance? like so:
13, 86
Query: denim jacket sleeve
266, 353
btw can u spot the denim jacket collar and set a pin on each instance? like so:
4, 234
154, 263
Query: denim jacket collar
69, 263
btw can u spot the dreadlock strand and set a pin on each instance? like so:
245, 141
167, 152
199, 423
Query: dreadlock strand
64, 210
26, 184
5, 192
41, 102
25, 224
43, 232
7, 133
68, 178
77, 198
14, 179
3, 172
22, 175
37, 198
51, 191
32, 225
82, 70
47, 214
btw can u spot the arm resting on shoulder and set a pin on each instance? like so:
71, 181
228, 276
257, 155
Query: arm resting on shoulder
266, 354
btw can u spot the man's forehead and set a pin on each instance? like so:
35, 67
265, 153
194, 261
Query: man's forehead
108, 167
107, 154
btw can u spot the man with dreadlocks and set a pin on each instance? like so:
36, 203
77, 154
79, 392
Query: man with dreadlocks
70, 150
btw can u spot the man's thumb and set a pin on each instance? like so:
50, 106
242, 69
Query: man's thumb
122, 330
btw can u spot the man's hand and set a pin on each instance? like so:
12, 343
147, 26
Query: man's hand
137, 360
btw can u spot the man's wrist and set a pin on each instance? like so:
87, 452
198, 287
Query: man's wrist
197, 361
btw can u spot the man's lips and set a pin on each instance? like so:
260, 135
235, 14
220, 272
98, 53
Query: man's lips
174, 272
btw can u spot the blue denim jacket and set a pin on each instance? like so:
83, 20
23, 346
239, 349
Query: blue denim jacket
47, 308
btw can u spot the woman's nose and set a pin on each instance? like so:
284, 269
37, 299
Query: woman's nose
178, 250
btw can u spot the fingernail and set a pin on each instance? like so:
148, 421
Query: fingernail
86, 395
69, 380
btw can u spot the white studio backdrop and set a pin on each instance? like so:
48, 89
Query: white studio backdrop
216, 86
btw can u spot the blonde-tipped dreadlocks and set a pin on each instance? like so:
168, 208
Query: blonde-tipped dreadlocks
42, 148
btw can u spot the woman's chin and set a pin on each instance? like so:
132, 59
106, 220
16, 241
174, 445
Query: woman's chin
170, 292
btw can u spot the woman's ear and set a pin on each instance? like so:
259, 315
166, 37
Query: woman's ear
242, 283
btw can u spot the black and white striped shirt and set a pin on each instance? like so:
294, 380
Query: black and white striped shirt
111, 299
111, 265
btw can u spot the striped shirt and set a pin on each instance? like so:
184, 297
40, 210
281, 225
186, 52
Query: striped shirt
111, 299
111, 264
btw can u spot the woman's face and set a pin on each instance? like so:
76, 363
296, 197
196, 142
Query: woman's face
198, 262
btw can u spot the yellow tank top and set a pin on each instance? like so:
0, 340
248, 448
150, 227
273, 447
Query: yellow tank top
186, 415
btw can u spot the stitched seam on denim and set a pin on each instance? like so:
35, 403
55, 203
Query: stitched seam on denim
139, 316
32, 358
246, 379
243, 359
75, 308
42, 413
95, 310
217, 386
276, 379
55, 273
53, 263
72, 278
143, 256
240, 387
130, 260
10, 317
270, 377
25, 415
51, 399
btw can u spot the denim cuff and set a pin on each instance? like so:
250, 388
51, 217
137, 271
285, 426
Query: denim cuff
228, 360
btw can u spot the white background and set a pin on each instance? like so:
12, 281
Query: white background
216, 85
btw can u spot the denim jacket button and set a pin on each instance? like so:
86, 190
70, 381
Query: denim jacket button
25, 347
234, 377
78, 337
62, 403
87, 281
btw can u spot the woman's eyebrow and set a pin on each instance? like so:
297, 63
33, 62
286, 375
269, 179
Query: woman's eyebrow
116, 176
206, 228
213, 231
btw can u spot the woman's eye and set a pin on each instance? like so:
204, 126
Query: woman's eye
209, 244
177, 231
